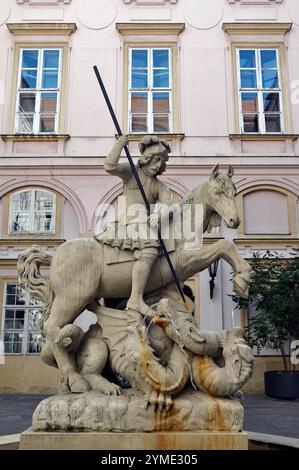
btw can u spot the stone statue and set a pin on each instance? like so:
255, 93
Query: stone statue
154, 343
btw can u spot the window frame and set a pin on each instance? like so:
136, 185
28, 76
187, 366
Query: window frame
285, 87
260, 90
39, 90
65, 47
25, 329
174, 66
150, 90
31, 216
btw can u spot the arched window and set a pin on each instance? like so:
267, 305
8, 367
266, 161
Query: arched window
32, 211
266, 212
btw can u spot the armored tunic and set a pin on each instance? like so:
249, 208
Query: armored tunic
131, 230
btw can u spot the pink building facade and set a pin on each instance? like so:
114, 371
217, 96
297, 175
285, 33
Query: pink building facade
218, 79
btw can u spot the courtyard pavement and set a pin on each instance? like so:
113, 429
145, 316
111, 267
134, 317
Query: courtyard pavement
263, 415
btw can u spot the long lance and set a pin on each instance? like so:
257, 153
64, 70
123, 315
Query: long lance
134, 171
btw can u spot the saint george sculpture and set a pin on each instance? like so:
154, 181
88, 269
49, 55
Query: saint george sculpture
181, 378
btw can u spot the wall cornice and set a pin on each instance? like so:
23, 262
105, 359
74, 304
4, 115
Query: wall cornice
256, 28
43, 2
36, 29
143, 29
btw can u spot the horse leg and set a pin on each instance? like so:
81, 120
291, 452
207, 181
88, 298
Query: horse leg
62, 314
204, 257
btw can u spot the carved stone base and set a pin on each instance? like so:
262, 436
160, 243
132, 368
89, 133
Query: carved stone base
204, 440
92, 411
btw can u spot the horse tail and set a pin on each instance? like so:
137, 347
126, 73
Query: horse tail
31, 279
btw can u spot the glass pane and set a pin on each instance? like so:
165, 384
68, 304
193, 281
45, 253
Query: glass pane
17, 337
21, 202
20, 223
270, 78
27, 102
17, 348
43, 222
48, 103
139, 123
51, 59
271, 102
268, 59
10, 299
25, 123
20, 314
9, 313
273, 123
161, 58
8, 324
139, 79
247, 59
161, 79
34, 317
139, 102
249, 102
19, 324
50, 79
47, 124
30, 59
161, 103
35, 342
139, 58
161, 123
251, 123
11, 288
43, 201
28, 78
248, 79
20, 298
7, 348
8, 336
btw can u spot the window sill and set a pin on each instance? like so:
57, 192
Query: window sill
247, 240
263, 137
28, 240
34, 137
136, 137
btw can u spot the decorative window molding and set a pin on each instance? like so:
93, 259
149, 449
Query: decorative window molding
291, 208
42, 220
32, 210
254, 29
255, 2
261, 89
38, 91
152, 29
150, 2
40, 29
43, 2
21, 332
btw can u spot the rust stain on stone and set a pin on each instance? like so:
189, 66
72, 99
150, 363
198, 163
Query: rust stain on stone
168, 420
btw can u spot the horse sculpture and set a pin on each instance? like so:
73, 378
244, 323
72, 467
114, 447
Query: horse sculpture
84, 270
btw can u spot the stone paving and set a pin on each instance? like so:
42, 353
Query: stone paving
262, 414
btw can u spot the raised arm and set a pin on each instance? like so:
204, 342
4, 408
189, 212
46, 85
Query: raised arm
112, 165
165, 198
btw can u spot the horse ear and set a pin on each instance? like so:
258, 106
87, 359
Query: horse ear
230, 171
215, 172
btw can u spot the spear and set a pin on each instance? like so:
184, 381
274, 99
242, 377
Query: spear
134, 171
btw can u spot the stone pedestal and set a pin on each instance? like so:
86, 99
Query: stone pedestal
34, 440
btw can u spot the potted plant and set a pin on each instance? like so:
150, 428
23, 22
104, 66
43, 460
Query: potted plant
274, 294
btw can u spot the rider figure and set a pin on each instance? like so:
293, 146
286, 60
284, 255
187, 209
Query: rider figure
126, 233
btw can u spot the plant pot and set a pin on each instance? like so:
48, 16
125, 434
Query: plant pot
282, 384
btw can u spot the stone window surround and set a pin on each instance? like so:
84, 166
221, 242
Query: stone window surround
255, 35
43, 2
292, 204
149, 35
56, 234
254, 2
150, 2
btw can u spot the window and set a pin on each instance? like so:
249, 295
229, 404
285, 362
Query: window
21, 332
33, 211
260, 94
150, 90
38, 91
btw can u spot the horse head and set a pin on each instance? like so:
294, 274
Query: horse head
218, 195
